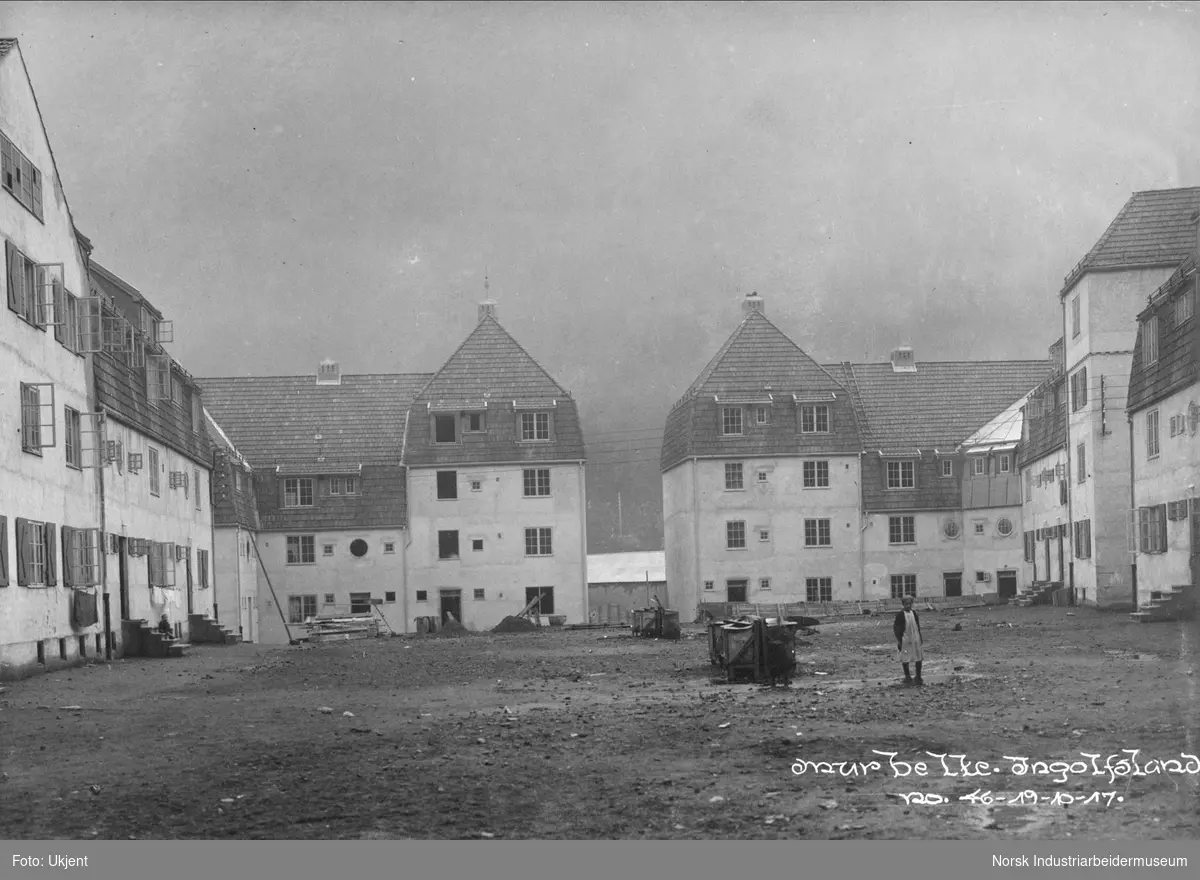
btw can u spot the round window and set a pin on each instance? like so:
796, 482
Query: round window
358, 547
1004, 527
951, 529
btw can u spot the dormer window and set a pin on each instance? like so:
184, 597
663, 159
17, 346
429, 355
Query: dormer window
979, 466
444, 429
1150, 341
473, 423
298, 492
535, 426
731, 420
814, 419
761, 415
901, 474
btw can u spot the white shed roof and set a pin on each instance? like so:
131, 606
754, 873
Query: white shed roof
616, 568
1000, 434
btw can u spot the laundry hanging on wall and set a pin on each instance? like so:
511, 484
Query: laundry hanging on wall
83, 609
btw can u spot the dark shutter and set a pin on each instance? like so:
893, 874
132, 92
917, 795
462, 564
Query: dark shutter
60, 308
3, 551
50, 537
68, 556
10, 261
22, 552
1162, 528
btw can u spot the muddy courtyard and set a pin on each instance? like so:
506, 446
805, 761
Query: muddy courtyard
597, 734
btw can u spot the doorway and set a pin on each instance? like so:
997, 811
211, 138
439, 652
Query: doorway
1006, 583
451, 602
952, 580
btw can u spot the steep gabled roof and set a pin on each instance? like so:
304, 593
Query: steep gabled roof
1154, 228
940, 404
277, 420
490, 364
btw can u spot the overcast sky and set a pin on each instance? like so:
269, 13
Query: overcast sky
290, 181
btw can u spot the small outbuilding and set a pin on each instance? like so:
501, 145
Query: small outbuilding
618, 583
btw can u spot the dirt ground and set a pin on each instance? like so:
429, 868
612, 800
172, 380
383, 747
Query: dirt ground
596, 734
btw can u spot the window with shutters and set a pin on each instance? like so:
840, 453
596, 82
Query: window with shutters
1152, 528
473, 423
1030, 544
35, 553
814, 419
1079, 390
301, 549
1082, 539
155, 470
816, 474
733, 476
20, 177
81, 557
37, 417
162, 558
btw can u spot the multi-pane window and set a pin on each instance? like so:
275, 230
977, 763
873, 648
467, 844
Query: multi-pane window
764, 584
735, 535
37, 417
760, 415
1075, 323
947, 467
298, 492
38, 557
337, 486
1150, 341
155, 470
733, 476
72, 438
162, 564
536, 482
447, 485
814, 419
81, 557
537, 542
1152, 528
731, 420
360, 603
448, 544
816, 474
20, 177
535, 426
978, 466
816, 533
901, 474
545, 595
902, 530
301, 549
301, 608
818, 589
764, 534
1152, 445
904, 585
1079, 390
1005, 464
1185, 305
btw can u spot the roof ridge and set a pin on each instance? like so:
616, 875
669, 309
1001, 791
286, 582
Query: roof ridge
306, 376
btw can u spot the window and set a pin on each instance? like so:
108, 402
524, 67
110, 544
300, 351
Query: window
818, 589
735, 590
360, 603
901, 474
72, 438
389, 547
978, 466
731, 420
764, 584
733, 476
444, 429
162, 564
735, 535
422, 595
545, 594
764, 534
473, 423
708, 585
327, 550
537, 542
902, 530
479, 595
1152, 528
1005, 464
814, 419
330, 598
1083, 539
947, 467
447, 485
196, 475
762, 476
760, 415
1150, 341
301, 549
904, 585
1152, 446
1004, 527
155, 470
339, 486
979, 528
1075, 326
447, 544
389, 596
158, 378
1185, 305
476, 485
37, 417
358, 548
1079, 390
536, 481
950, 529
1177, 510
301, 608
1081, 463
298, 492
476, 545
35, 554
3, 551
20, 177
816, 474
816, 533
202, 568
535, 426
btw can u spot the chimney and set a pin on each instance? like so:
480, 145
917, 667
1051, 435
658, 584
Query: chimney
752, 303
329, 373
487, 309
903, 360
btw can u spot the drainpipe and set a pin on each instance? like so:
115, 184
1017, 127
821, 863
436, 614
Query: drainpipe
1133, 568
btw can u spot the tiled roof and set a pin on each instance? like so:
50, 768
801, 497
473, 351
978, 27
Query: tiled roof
1045, 431
940, 404
491, 371
1153, 228
276, 420
618, 568
1178, 364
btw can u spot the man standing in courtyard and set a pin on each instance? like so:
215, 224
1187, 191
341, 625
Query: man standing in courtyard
907, 628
